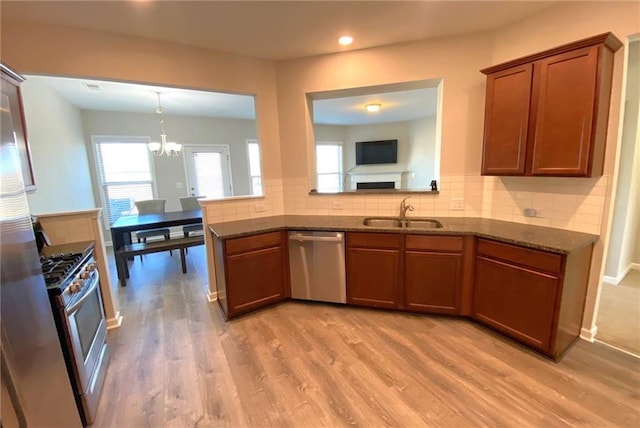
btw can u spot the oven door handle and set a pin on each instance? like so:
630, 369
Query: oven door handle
72, 309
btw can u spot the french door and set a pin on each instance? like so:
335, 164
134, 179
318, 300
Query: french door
208, 171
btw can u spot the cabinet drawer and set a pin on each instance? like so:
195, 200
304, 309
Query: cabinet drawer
253, 242
435, 243
374, 240
523, 256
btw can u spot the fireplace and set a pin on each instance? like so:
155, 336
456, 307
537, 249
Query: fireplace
377, 180
375, 185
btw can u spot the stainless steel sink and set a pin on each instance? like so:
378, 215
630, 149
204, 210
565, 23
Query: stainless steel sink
411, 223
423, 223
382, 222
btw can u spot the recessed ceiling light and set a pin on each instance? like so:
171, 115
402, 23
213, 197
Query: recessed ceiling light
371, 108
345, 40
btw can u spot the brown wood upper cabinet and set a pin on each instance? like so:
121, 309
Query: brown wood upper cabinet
546, 114
13, 122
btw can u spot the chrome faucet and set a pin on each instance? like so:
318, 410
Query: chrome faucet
404, 207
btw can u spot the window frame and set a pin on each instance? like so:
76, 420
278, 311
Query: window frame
98, 139
226, 152
261, 176
340, 165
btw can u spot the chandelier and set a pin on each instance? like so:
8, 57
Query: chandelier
169, 148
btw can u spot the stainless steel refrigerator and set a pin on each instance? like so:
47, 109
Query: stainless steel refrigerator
36, 390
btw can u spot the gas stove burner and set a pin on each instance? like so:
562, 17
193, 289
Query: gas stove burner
62, 265
57, 268
69, 257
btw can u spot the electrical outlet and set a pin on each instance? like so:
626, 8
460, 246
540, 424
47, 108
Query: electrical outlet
179, 185
456, 204
260, 208
336, 205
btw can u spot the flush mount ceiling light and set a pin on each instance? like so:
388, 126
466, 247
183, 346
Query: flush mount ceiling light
372, 108
170, 148
345, 40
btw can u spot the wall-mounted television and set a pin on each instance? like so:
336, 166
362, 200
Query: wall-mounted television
373, 152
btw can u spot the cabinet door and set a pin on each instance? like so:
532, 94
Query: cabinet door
566, 87
372, 277
507, 121
255, 278
517, 301
432, 282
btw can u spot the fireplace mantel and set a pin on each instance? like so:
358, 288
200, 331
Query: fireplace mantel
398, 177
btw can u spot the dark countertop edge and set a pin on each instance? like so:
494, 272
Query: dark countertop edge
252, 227
376, 192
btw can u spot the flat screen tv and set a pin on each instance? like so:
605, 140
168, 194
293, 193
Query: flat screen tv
372, 152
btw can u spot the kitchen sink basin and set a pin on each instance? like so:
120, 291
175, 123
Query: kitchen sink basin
382, 222
423, 223
411, 223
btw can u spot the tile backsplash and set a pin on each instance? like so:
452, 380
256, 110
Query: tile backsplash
243, 208
565, 203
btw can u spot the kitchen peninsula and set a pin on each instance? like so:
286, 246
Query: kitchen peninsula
527, 282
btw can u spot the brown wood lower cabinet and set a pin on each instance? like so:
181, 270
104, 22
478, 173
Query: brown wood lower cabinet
517, 301
373, 269
433, 274
256, 268
533, 296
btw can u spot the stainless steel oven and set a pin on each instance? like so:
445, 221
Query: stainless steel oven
87, 328
77, 303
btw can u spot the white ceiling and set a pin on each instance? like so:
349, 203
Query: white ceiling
271, 30
395, 106
135, 98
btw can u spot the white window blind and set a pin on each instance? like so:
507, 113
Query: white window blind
208, 172
125, 174
255, 171
329, 166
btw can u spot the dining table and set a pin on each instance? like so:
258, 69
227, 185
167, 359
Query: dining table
122, 228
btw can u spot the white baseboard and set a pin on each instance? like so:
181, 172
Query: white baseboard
589, 334
212, 297
114, 322
615, 280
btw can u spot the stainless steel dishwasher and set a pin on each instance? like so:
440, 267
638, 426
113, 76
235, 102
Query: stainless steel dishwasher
316, 264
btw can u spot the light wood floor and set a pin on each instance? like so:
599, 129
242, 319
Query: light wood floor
176, 363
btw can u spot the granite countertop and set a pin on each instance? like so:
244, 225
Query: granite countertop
538, 237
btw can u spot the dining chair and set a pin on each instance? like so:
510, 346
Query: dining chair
190, 203
152, 206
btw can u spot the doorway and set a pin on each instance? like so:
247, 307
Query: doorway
208, 171
619, 309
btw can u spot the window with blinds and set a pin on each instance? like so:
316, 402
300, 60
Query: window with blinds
125, 173
329, 167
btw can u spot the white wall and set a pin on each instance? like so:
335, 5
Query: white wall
170, 171
329, 133
422, 154
626, 216
59, 155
